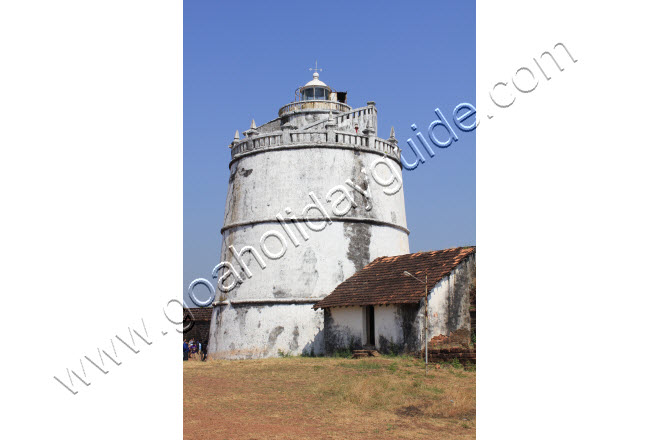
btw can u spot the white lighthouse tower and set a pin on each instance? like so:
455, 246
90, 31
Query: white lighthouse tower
313, 197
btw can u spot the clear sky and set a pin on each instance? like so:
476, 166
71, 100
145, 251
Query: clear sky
243, 61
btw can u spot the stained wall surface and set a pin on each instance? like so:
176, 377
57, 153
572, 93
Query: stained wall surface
310, 201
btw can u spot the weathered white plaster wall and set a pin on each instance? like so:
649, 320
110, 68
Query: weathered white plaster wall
449, 301
394, 327
291, 328
388, 326
312, 269
438, 308
344, 326
266, 184
272, 176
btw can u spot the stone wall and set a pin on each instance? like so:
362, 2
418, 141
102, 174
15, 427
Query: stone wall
199, 331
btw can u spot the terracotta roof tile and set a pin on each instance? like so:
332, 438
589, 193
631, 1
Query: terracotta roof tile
382, 281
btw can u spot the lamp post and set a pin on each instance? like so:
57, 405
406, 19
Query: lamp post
426, 317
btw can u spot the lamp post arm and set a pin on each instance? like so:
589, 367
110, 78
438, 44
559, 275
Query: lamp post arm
413, 276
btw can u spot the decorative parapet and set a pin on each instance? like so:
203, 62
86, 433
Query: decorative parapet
357, 113
323, 139
256, 142
387, 148
314, 105
351, 139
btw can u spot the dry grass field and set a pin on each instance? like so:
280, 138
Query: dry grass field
327, 398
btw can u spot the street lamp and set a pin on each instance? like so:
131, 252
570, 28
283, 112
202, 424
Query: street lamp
426, 317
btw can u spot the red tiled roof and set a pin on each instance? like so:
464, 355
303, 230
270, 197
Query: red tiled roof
382, 281
199, 313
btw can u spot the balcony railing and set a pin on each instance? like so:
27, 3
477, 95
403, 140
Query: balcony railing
309, 138
256, 143
352, 139
279, 139
350, 115
314, 105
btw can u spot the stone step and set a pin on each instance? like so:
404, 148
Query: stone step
365, 353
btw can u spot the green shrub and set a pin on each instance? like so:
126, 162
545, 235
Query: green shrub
309, 353
343, 353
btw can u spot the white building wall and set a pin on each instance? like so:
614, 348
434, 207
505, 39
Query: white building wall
401, 327
343, 328
388, 326
449, 301
271, 329
438, 308
395, 328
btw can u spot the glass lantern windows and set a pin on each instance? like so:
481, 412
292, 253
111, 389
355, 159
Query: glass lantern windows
315, 93
320, 93
308, 94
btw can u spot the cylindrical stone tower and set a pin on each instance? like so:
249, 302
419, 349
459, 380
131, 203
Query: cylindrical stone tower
313, 197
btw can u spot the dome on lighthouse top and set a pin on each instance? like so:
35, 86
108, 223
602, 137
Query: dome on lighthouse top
316, 81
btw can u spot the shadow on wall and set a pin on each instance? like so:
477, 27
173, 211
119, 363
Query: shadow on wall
308, 349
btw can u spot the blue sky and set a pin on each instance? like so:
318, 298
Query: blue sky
244, 60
